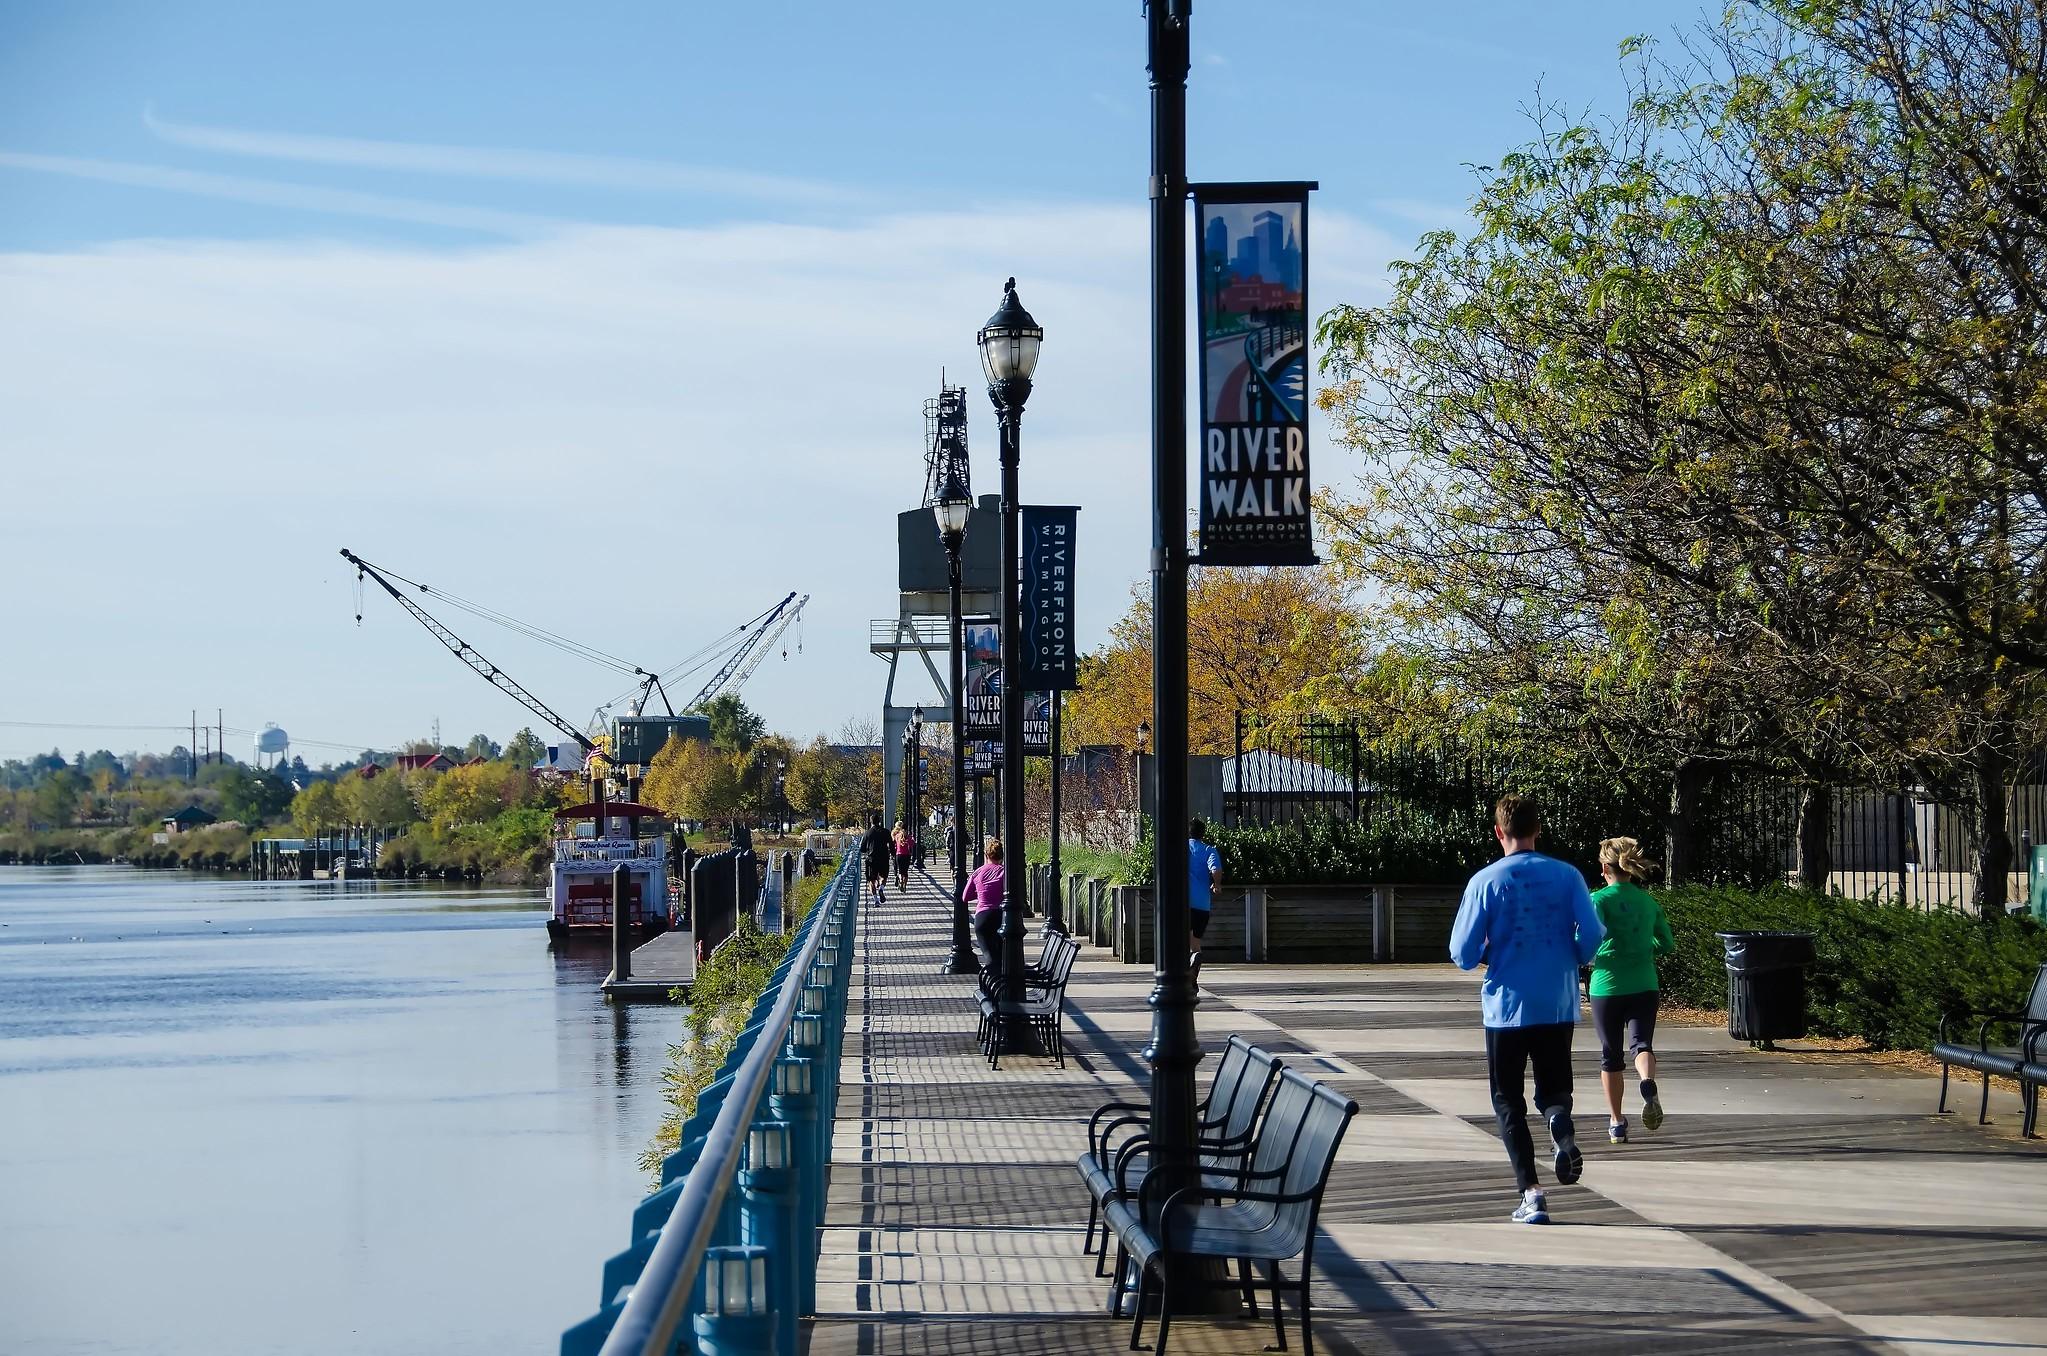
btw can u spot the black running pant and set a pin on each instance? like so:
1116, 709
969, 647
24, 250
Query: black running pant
1509, 1050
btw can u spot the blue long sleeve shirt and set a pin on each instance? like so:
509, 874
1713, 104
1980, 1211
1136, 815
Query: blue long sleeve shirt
1529, 920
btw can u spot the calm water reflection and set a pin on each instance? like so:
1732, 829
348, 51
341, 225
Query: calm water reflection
239, 1116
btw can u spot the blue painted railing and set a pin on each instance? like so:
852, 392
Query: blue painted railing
724, 1256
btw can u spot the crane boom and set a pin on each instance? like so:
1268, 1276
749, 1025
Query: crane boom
465, 652
768, 636
725, 675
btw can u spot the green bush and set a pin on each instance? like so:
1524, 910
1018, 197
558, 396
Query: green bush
1118, 868
1884, 973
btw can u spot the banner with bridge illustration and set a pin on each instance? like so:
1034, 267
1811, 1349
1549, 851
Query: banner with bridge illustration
1251, 269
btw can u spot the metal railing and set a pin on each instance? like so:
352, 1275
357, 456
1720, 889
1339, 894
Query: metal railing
612, 850
711, 1267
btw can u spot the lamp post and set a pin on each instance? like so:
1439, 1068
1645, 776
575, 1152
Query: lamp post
1174, 1049
1009, 354
916, 775
952, 510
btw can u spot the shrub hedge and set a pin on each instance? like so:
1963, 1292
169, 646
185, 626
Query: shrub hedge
1884, 972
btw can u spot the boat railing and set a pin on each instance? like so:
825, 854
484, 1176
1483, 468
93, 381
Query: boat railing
727, 1249
611, 850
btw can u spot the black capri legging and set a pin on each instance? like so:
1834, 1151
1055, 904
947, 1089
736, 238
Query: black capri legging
1634, 1013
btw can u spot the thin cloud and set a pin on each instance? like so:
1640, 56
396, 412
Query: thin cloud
294, 197
483, 162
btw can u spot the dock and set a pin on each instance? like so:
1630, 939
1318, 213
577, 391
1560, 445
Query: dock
667, 962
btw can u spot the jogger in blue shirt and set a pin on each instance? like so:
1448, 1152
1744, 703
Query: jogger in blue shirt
1529, 920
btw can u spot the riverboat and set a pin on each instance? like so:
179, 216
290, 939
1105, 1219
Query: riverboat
579, 887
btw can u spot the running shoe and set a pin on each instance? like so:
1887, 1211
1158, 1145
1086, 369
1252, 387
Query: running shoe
1534, 1208
1570, 1164
1652, 1111
1616, 1132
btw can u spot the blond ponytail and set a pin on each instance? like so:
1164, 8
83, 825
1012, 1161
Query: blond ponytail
1626, 857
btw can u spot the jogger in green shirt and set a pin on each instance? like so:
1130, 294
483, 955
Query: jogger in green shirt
1623, 988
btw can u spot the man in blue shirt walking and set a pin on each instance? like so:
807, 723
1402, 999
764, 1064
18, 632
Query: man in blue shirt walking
1529, 920
1204, 874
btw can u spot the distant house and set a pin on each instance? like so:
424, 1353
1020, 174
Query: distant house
191, 817
369, 770
423, 762
478, 761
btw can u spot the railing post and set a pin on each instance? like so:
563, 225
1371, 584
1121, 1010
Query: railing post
768, 1185
738, 1318
793, 1101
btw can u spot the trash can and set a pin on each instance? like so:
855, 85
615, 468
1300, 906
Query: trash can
1766, 984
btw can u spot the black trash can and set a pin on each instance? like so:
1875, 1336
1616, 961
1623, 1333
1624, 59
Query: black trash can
1766, 984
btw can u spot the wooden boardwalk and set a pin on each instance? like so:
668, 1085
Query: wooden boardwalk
1812, 1205
659, 965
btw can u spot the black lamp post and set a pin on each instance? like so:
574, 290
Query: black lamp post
916, 775
1009, 354
952, 510
1174, 1049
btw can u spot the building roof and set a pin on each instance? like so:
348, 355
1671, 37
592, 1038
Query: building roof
1265, 773
369, 770
191, 814
414, 762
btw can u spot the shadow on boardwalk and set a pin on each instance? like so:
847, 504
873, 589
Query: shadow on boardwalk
1785, 1206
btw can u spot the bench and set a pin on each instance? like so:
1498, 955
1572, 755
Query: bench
2021, 1062
1224, 1123
1043, 1005
1266, 1217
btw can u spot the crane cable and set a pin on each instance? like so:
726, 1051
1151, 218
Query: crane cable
509, 622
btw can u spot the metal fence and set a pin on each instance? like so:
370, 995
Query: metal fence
1427, 805
724, 1255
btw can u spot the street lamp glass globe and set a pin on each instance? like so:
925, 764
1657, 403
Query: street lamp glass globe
952, 513
1009, 341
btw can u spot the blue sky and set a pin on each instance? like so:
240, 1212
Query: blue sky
492, 293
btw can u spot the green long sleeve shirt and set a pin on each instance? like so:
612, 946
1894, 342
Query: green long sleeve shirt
1636, 934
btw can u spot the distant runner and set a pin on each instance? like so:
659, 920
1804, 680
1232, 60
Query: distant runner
876, 852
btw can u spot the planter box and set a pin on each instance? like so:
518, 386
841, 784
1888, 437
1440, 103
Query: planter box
1301, 924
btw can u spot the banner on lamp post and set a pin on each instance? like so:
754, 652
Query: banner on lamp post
983, 700
1049, 660
1251, 271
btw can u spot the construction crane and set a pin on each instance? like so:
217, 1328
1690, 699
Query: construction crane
467, 653
768, 628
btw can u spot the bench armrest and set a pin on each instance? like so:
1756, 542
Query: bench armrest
1182, 1203
1983, 1029
1098, 1143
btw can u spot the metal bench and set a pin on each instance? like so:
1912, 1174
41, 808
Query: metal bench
1224, 1125
1043, 1005
1267, 1218
2002, 1061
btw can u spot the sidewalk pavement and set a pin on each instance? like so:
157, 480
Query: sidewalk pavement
1786, 1205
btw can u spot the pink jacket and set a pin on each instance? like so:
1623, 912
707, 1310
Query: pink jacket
984, 887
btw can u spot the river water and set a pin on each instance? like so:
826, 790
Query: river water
245, 1116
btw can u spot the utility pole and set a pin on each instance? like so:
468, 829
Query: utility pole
192, 751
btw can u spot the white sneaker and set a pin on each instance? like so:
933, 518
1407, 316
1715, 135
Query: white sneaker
1534, 1207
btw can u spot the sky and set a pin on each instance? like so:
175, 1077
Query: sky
619, 318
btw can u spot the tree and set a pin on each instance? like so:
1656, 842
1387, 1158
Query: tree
480, 746
1719, 438
471, 795
526, 748
690, 779
252, 797
317, 809
734, 726
382, 801
55, 799
1258, 640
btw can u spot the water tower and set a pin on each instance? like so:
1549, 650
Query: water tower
271, 744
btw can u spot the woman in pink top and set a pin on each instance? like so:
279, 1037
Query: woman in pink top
984, 897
